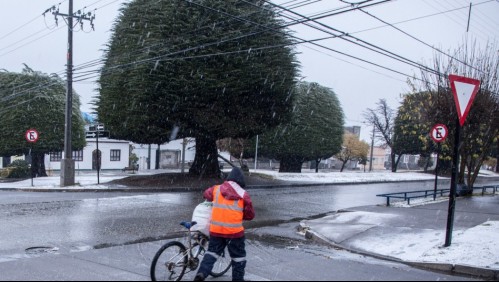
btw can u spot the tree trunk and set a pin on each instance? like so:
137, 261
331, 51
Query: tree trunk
394, 163
158, 156
343, 164
38, 165
206, 159
290, 164
317, 162
497, 157
427, 164
461, 171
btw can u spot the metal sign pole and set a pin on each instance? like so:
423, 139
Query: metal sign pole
98, 156
31, 167
453, 186
439, 148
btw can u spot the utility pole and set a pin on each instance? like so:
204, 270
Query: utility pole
372, 150
256, 152
67, 163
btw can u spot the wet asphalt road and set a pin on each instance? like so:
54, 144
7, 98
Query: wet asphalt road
84, 220
96, 227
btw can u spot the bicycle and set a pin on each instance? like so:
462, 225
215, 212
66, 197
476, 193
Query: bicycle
174, 258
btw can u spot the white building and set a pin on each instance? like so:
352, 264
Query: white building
170, 154
114, 155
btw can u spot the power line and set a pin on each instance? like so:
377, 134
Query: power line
420, 41
218, 42
25, 24
185, 50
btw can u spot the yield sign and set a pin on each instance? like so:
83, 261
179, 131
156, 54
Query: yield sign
464, 90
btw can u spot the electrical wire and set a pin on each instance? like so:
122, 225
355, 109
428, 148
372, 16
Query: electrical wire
419, 40
152, 59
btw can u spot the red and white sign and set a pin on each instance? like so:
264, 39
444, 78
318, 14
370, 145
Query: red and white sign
464, 90
32, 135
439, 133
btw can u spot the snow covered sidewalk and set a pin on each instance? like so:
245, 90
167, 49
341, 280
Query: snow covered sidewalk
416, 235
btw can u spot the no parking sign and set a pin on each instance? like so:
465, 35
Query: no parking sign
32, 135
439, 133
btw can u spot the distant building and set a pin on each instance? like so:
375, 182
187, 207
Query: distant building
381, 155
170, 154
353, 129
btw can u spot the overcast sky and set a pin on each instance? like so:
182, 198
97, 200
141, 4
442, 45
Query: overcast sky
28, 37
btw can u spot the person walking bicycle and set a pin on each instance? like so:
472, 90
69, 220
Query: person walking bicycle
231, 205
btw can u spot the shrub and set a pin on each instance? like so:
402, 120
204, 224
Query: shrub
20, 169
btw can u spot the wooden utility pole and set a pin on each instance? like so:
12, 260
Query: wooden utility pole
67, 163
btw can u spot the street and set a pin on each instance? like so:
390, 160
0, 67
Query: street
106, 227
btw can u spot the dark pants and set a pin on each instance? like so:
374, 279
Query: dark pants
237, 253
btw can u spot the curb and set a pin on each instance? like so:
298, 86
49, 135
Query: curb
463, 270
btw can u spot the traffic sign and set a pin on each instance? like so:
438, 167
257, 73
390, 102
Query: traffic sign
464, 90
439, 133
93, 134
32, 135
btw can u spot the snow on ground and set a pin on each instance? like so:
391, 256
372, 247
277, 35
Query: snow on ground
89, 179
347, 176
478, 245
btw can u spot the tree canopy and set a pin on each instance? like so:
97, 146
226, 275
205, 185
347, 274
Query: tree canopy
214, 69
315, 130
481, 129
352, 149
33, 100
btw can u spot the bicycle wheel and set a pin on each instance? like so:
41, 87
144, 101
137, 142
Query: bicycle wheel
222, 265
169, 263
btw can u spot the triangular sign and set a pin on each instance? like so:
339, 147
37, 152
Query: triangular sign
464, 90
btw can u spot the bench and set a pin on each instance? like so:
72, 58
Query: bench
131, 168
407, 196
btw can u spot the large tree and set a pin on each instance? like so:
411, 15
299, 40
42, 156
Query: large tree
314, 132
412, 127
33, 100
213, 68
481, 129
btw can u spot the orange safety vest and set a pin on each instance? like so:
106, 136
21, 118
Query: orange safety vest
226, 215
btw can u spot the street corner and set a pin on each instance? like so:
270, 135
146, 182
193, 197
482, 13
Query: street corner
344, 225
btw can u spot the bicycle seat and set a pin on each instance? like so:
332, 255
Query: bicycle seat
188, 224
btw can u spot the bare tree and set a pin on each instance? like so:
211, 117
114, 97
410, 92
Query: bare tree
383, 119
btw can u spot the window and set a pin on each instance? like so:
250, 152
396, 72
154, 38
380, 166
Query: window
78, 156
115, 155
55, 156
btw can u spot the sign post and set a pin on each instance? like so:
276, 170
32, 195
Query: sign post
464, 90
31, 136
438, 133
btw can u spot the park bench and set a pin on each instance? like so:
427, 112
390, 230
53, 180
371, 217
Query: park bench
408, 196
131, 168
